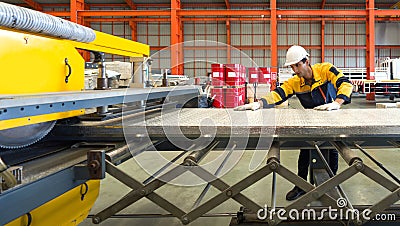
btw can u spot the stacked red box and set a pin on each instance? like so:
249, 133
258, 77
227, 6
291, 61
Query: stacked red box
234, 97
265, 75
254, 74
219, 97
218, 74
224, 76
234, 74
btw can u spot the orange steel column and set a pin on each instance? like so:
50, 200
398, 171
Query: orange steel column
228, 41
176, 39
75, 6
323, 33
34, 5
370, 23
274, 42
180, 56
322, 40
228, 34
132, 24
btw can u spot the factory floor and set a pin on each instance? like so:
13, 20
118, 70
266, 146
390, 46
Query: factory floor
359, 189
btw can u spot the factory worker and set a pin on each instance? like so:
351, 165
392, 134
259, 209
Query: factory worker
320, 86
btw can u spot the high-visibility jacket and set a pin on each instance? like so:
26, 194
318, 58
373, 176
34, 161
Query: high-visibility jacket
328, 84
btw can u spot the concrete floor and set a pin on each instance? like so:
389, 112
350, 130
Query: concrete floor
359, 189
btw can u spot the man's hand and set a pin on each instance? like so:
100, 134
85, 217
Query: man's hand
328, 107
252, 106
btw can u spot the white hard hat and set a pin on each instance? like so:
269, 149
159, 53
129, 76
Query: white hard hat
295, 54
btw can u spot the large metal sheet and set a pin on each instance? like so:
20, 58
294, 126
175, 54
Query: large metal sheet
304, 123
370, 125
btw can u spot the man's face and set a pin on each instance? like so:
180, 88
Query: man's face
300, 68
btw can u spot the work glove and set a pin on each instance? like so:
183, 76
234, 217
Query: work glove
252, 106
328, 107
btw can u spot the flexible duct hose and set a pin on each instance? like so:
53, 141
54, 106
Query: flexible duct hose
24, 19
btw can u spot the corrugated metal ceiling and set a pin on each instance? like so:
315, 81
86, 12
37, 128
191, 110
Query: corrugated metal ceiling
244, 2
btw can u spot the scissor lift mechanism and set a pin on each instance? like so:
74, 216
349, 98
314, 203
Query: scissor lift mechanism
342, 130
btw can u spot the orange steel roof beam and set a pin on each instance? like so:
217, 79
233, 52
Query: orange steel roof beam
59, 13
326, 19
322, 12
166, 20
387, 47
227, 12
87, 13
387, 12
292, 14
34, 5
267, 47
386, 19
253, 19
283, 47
130, 4
323, 4
221, 12
395, 6
227, 4
223, 5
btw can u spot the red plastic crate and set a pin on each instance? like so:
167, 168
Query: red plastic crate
234, 74
254, 74
218, 74
234, 97
265, 75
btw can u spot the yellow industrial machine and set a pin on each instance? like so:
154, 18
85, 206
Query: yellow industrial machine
39, 56
68, 209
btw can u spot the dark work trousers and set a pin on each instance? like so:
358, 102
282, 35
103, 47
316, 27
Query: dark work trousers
304, 162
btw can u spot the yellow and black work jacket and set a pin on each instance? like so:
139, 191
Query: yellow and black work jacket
328, 84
